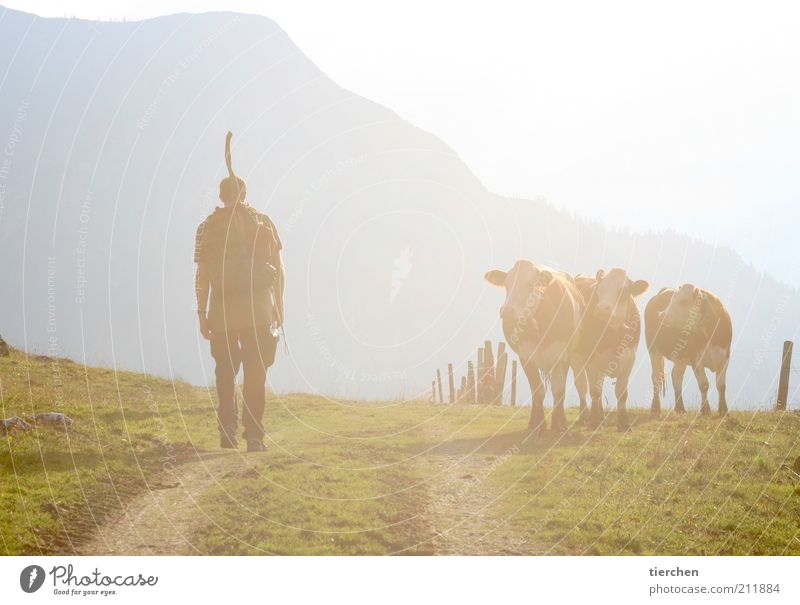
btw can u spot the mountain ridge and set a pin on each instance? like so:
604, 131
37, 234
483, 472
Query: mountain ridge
132, 167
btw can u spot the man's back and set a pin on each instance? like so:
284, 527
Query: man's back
240, 248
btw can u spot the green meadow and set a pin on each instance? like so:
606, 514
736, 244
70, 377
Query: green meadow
345, 477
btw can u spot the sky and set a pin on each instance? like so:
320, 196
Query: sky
682, 115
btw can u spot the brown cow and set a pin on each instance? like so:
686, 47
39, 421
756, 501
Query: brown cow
540, 317
609, 334
690, 327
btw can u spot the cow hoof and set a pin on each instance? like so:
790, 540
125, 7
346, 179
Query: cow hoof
705, 410
624, 427
655, 410
595, 423
558, 423
723, 411
680, 410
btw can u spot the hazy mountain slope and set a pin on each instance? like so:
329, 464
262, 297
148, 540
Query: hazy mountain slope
113, 136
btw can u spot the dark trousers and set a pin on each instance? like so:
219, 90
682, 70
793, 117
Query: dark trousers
253, 348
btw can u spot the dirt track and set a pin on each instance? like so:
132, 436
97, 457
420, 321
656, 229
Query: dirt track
457, 515
161, 521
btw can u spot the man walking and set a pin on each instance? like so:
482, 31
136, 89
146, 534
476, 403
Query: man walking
239, 288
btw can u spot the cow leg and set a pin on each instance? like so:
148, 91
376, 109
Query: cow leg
621, 391
558, 382
582, 386
702, 382
677, 384
536, 424
721, 384
657, 375
596, 379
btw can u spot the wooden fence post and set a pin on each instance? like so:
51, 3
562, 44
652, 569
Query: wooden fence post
513, 383
500, 375
470, 382
783, 385
486, 375
439, 382
479, 371
433, 391
452, 383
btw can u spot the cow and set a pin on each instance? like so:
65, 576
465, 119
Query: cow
689, 326
608, 336
540, 317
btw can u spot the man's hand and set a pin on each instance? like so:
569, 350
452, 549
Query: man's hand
205, 330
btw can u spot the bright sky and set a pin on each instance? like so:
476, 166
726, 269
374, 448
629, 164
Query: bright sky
648, 115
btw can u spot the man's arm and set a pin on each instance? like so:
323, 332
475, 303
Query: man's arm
279, 284
202, 286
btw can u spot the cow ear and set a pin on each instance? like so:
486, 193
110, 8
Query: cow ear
599, 275
496, 277
545, 277
639, 287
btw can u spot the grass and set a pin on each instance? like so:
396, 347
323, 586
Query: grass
680, 485
347, 477
54, 486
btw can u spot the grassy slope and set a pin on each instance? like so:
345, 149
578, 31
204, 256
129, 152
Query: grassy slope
350, 478
55, 487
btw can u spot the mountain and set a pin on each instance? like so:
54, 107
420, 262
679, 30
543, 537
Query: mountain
112, 137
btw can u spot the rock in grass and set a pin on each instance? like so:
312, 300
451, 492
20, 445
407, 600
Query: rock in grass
15, 423
52, 419
5, 351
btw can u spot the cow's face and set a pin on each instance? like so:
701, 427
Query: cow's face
683, 311
525, 284
611, 296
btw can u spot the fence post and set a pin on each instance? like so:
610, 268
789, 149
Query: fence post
500, 376
452, 383
489, 360
439, 381
479, 372
433, 391
783, 385
513, 383
470, 383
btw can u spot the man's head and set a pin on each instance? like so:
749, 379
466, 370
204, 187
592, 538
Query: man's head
232, 189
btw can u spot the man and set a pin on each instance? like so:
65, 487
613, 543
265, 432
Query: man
239, 264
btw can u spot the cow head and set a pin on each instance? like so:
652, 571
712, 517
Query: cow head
610, 297
525, 284
684, 311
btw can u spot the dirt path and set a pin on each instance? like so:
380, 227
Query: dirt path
462, 504
161, 521
460, 514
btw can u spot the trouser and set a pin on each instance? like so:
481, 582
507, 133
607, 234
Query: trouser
253, 348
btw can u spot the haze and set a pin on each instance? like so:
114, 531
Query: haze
689, 109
